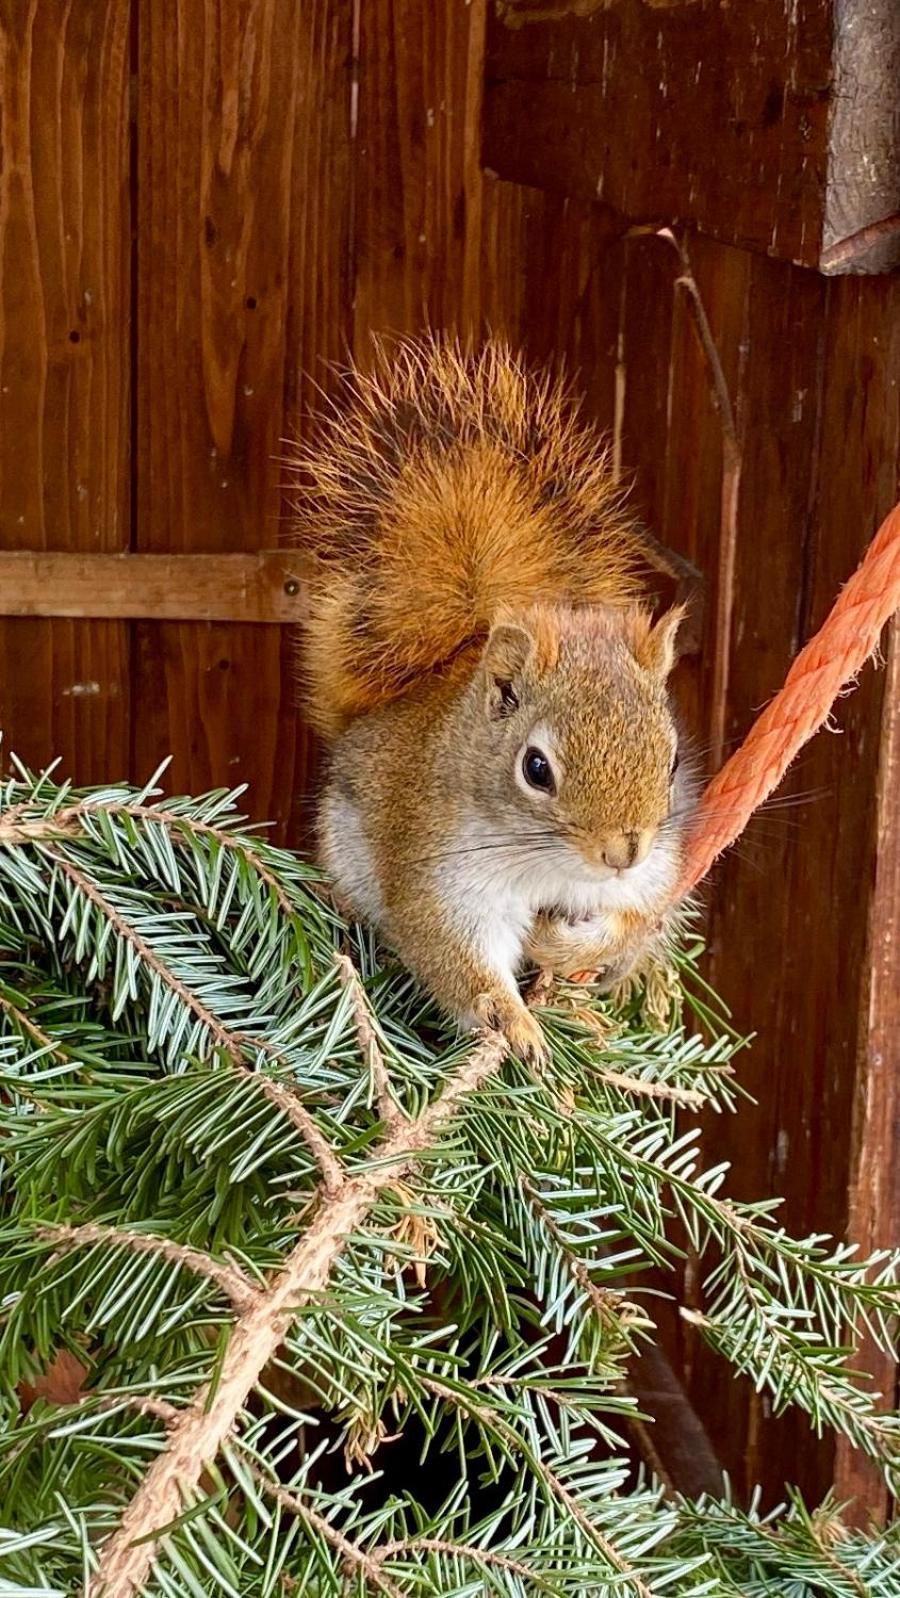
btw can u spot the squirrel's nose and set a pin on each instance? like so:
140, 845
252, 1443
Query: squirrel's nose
627, 849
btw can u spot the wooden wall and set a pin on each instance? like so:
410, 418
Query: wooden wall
202, 203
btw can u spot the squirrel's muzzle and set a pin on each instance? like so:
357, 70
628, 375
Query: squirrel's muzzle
624, 849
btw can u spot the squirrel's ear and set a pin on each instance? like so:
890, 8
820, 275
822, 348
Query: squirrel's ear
507, 652
654, 645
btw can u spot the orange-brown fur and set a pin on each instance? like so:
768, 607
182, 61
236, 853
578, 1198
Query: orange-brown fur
450, 489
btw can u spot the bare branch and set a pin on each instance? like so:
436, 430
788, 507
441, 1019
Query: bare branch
732, 465
354, 1557
690, 1097
227, 1277
471, 1551
157, 1408
388, 1108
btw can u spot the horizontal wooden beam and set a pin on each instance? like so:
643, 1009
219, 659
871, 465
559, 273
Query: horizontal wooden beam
263, 587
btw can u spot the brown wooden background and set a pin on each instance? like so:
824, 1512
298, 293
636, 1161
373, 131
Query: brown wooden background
202, 202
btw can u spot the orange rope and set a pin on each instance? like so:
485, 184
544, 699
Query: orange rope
823, 667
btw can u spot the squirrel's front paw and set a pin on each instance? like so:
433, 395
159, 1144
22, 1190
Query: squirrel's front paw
564, 947
513, 1018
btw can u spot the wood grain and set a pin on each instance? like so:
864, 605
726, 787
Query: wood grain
418, 183
64, 361
239, 588
235, 98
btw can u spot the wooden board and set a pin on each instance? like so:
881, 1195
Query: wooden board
771, 125
64, 362
267, 587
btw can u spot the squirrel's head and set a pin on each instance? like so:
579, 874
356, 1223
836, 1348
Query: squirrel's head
578, 752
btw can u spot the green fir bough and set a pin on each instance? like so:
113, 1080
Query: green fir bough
352, 1298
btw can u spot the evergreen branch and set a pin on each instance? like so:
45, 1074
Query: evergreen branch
353, 1557
534, 1201
179, 824
205, 1426
23, 1021
609, 1306
402, 1546
227, 1277
218, 1032
223, 1037
489, 1420
288, 1103
367, 1038
18, 825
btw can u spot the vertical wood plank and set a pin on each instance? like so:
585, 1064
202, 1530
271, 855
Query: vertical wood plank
64, 361
861, 426
243, 210
765, 893
418, 177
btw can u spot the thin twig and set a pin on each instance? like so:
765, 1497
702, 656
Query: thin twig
23, 1020
129, 1553
156, 1408
367, 1038
490, 1420
228, 1277
732, 465
353, 1556
445, 1545
332, 1171
607, 1303
690, 1097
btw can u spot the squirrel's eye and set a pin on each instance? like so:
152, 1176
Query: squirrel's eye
537, 771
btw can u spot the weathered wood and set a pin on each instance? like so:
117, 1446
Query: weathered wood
243, 130
861, 225
874, 1220
859, 964
64, 361
809, 364
772, 126
241, 588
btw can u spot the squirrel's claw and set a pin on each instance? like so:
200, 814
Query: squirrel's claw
517, 1023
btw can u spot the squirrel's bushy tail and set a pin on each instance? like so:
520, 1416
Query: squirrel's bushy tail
449, 489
